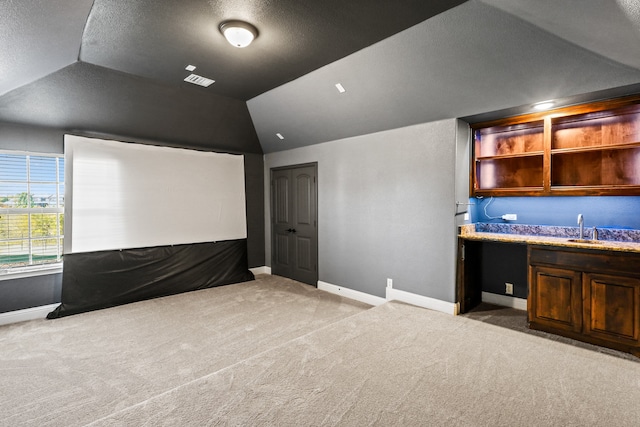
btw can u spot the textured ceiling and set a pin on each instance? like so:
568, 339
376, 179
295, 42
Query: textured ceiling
117, 67
38, 38
157, 39
76, 97
610, 28
470, 60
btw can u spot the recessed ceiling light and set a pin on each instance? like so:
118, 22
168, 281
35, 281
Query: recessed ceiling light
190, 67
238, 33
279, 135
340, 88
544, 105
199, 80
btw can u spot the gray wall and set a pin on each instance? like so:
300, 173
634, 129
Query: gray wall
254, 183
17, 294
28, 138
386, 208
462, 181
27, 292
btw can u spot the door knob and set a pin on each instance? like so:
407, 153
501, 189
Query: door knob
291, 230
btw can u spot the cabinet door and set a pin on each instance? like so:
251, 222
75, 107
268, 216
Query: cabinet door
612, 308
555, 298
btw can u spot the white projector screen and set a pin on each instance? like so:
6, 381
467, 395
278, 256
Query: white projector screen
123, 195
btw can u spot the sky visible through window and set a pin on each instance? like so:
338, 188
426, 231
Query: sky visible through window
41, 174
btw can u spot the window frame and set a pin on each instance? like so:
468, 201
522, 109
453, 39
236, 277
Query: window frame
31, 269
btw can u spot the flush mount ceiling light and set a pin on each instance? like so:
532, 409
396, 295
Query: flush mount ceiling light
544, 105
238, 33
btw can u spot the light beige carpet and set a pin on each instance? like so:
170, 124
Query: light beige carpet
74, 370
401, 365
394, 364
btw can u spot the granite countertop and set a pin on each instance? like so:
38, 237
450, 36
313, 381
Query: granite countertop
626, 240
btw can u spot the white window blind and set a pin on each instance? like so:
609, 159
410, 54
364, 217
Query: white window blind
126, 195
31, 209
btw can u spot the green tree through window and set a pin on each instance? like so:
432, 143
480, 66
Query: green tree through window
24, 200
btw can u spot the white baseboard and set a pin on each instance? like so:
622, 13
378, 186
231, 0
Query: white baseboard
350, 293
26, 314
422, 301
392, 294
261, 270
505, 301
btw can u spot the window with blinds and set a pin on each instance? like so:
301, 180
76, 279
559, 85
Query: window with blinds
31, 209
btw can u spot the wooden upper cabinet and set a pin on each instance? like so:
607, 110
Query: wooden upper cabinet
600, 149
509, 158
591, 149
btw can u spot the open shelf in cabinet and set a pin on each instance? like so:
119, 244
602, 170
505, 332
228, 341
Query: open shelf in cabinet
510, 172
596, 167
509, 157
628, 146
581, 150
598, 149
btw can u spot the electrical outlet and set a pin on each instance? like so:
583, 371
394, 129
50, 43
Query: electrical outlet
508, 288
510, 217
389, 283
466, 216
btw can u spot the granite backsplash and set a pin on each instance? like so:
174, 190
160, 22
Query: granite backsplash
610, 234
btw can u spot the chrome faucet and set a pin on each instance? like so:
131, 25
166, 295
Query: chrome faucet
581, 224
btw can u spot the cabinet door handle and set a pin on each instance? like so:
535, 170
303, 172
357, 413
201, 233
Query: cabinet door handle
291, 230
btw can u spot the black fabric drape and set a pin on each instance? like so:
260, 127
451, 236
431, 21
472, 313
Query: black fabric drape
96, 280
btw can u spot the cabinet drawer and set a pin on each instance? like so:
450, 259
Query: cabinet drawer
590, 260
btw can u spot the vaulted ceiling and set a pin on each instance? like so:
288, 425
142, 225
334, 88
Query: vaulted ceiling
117, 67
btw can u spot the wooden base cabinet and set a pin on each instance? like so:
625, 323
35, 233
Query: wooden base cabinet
612, 308
588, 295
556, 298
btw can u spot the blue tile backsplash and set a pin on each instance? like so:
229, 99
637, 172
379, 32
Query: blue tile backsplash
608, 213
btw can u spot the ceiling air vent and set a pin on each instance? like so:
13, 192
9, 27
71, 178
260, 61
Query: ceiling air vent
199, 80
